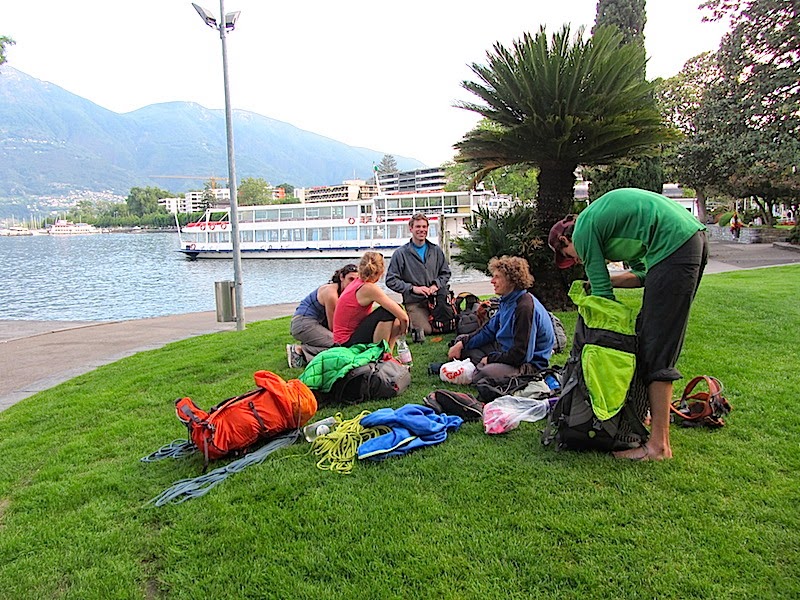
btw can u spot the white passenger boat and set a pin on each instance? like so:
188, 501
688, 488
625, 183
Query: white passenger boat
64, 227
330, 229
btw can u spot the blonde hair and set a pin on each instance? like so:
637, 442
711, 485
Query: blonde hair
515, 269
371, 267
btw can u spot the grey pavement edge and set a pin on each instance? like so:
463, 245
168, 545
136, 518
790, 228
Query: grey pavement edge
38, 355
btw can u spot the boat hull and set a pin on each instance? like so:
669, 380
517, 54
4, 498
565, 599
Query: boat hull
295, 253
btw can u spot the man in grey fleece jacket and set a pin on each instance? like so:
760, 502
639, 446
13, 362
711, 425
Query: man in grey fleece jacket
418, 270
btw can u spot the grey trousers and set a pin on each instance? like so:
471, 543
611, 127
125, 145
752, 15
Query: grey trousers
313, 336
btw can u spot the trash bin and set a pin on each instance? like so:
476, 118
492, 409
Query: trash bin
225, 296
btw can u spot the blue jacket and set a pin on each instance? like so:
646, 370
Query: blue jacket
522, 328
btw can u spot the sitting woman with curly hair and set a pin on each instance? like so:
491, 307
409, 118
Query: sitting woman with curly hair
519, 332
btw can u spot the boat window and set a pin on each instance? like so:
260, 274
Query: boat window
407, 203
246, 235
272, 235
464, 200
261, 235
392, 204
324, 212
380, 204
245, 216
287, 214
337, 212
449, 200
298, 235
261, 216
312, 213
433, 230
272, 214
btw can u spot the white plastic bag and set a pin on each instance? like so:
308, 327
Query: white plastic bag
457, 371
505, 413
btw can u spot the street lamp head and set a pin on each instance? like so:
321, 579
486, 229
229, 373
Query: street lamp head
209, 18
230, 20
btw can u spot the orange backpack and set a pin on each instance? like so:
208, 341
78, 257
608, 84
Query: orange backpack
236, 424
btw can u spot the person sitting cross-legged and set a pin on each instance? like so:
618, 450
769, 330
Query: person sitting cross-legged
312, 322
520, 332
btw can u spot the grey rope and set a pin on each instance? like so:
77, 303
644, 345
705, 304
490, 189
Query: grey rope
175, 449
186, 489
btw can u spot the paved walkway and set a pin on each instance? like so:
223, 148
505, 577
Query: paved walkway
37, 355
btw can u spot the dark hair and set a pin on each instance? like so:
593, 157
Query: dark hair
340, 274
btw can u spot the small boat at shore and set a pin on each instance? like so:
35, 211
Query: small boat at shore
16, 231
64, 227
344, 229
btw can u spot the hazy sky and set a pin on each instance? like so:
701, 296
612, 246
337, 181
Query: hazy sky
380, 75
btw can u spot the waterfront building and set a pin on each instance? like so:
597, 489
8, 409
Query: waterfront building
418, 180
347, 191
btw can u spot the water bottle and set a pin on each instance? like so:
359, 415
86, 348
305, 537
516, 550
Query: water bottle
552, 382
313, 430
404, 353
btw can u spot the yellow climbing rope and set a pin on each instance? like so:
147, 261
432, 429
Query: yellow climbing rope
338, 448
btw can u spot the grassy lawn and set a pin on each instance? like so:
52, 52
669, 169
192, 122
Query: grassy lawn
475, 517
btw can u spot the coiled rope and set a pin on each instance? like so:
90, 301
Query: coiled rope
186, 489
338, 448
175, 449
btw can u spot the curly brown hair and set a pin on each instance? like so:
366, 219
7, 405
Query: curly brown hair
515, 269
371, 267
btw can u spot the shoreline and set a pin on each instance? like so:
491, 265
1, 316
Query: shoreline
38, 355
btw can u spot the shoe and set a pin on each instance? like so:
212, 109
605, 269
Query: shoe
296, 360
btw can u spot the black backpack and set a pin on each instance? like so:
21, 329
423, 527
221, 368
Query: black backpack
459, 404
443, 311
572, 423
382, 379
472, 314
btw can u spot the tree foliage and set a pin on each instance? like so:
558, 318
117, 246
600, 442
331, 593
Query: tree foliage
629, 18
521, 182
142, 201
690, 161
751, 111
555, 104
5, 42
253, 191
388, 164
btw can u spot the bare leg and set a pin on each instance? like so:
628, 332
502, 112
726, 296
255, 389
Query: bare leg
657, 447
384, 331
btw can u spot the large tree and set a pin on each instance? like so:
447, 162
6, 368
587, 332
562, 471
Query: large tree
751, 111
692, 160
388, 164
144, 201
629, 17
555, 104
4, 42
253, 191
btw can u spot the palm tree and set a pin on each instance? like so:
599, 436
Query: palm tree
558, 104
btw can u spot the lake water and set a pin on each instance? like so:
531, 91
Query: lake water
119, 276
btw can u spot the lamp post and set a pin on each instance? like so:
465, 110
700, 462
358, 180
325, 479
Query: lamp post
227, 23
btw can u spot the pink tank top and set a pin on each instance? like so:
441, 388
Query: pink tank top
349, 313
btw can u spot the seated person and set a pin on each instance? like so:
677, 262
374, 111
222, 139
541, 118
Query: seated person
313, 319
355, 322
417, 270
519, 332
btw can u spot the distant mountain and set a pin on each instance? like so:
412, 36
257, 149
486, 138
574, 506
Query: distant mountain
53, 142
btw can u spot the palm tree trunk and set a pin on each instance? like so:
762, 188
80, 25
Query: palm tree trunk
556, 195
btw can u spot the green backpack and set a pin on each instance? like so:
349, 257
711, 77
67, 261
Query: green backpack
603, 398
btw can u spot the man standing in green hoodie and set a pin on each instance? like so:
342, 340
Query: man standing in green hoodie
667, 251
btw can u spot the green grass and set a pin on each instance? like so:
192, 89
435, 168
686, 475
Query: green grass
475, 517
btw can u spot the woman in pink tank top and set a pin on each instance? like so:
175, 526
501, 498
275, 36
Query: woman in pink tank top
355, 322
